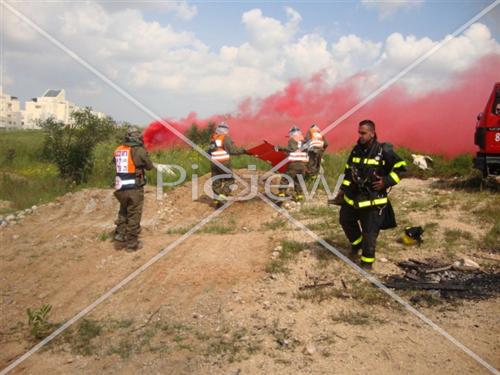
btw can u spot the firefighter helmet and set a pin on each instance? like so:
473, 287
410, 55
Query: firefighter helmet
413, 235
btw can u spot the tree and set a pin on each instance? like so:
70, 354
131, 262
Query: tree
200, 136
70, 146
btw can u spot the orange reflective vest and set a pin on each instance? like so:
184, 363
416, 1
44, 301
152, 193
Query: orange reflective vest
315, 139
298, 154
125, 168
219, 154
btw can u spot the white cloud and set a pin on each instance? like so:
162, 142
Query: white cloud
181, 9
354, 53
308, 56
174, 71
387, 8
89, 20
266, 32
455, 56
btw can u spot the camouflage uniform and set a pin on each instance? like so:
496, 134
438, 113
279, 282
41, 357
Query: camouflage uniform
128, 222
294, 169
315, 156
222, 186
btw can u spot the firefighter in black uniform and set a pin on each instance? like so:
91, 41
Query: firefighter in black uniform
371, 169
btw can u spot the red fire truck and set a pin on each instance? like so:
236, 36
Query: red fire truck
487, 136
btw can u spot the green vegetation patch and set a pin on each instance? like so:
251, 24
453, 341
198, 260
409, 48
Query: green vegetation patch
289, 251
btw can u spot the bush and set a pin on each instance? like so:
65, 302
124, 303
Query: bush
200, 136
71, 146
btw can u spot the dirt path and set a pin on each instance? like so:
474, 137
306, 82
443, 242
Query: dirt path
209, 306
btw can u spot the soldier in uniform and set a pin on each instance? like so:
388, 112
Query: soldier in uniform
317, 145
220, 149
297, 165
131, 160
371, 169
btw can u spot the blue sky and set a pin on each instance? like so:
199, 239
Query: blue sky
219, 23
170, 56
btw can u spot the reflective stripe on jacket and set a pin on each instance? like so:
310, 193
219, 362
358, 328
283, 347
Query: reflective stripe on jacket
365, 203
219, 154
298, 154
316, 139
125, 168
366, 165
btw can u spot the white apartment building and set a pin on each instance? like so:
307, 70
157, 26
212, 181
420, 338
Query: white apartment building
52, 104
11, 115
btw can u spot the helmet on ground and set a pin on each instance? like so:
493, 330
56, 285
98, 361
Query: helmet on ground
222, 128
412, 235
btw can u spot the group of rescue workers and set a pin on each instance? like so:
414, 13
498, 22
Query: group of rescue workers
372, 168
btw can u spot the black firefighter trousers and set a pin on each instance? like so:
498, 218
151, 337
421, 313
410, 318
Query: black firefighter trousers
361, 226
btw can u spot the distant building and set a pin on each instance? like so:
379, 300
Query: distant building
11, 115
52, 104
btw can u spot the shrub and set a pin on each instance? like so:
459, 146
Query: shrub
38, 322
71, 146
200, 136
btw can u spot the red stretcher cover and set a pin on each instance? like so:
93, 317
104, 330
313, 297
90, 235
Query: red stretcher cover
266, 152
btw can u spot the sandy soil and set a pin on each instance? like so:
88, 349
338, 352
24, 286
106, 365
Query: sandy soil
216, 283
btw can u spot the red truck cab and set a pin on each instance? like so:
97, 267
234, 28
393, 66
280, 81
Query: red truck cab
487, 136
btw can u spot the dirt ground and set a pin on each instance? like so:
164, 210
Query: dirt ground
215, 305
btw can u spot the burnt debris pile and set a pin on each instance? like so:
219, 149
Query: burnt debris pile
446, 280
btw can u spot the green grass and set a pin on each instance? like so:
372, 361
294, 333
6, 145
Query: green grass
87, 330
431, 227
179, 229
275, 224
289, 251
324, 225
283, 336
315, 211
26, 179
356, 318
443, 167
359, 290
230, 345
104, 236
319, 295
491, 240
333, 165
489, 212
214, 227
452, 236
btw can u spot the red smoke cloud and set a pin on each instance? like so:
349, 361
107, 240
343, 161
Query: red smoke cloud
439, 122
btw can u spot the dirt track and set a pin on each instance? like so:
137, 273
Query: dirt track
227, 313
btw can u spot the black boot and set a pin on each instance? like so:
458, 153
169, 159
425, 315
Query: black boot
353, 255
366, 266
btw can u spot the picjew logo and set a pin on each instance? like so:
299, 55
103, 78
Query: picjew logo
171, 175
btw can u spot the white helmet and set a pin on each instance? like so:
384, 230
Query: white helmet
222, 128
294, 129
